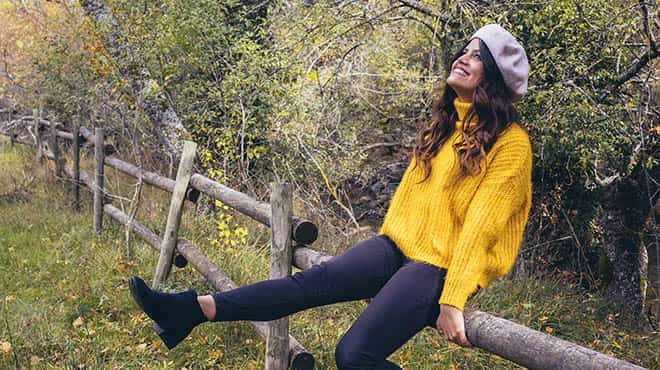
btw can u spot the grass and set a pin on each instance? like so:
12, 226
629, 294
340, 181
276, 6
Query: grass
64, 301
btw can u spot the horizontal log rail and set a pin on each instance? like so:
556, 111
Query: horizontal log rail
303, 231
65, 135
517, 343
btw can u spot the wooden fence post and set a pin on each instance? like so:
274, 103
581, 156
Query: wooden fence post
76, 163
56, 150
36, 114
277, 343
12, 133
99, 155
174, 216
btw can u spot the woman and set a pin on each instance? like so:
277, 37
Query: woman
454, 225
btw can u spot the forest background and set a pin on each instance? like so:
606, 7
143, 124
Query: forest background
329, 96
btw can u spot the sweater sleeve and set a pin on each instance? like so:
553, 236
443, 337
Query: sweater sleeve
502, 193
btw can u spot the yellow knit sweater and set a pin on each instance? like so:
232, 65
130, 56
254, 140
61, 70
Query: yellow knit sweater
472, 228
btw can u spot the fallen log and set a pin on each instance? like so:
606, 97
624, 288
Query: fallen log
22, 141
299, 357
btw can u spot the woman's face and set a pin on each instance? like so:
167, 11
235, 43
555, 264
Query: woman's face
466, 72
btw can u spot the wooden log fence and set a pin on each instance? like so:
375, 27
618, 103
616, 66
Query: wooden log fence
76, 165
300, 357
54, 147
292, 354
517, 343
36, 113
99, 155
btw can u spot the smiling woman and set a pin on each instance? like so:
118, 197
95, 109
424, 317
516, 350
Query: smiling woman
444, 236
467, 71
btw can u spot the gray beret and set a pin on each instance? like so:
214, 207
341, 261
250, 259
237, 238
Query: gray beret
509, 56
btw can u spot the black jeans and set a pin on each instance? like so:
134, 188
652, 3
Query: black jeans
405, 299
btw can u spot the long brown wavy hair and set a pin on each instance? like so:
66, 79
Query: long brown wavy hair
492, 105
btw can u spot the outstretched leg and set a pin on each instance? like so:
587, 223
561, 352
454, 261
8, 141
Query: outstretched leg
403, 307
358, 273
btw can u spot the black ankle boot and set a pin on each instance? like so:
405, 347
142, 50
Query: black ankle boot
174, 315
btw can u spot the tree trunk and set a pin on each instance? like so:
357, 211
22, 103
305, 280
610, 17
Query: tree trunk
624, 212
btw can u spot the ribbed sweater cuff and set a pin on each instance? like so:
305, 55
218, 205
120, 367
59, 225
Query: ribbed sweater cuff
456, 293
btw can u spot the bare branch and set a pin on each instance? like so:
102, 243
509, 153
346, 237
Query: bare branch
642, 61
417, 6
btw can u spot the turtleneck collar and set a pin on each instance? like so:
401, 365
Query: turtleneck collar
461, 108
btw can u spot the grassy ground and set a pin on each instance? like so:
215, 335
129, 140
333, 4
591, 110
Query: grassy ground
64, 301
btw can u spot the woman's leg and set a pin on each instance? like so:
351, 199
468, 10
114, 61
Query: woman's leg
357, 273
404, 306
207, 304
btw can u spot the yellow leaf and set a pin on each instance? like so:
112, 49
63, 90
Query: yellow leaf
549, 329
615, 344
78, 322
9, 298
34, 360
141, 347
216, 354
5, 347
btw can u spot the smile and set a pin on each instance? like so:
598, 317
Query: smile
461, 72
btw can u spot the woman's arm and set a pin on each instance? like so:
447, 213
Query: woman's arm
502, 193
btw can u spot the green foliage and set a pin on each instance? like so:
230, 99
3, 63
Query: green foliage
209, 59
68, 64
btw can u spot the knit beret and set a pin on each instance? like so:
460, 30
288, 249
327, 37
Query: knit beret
509, 56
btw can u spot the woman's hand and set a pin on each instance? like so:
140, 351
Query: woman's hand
451, 325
